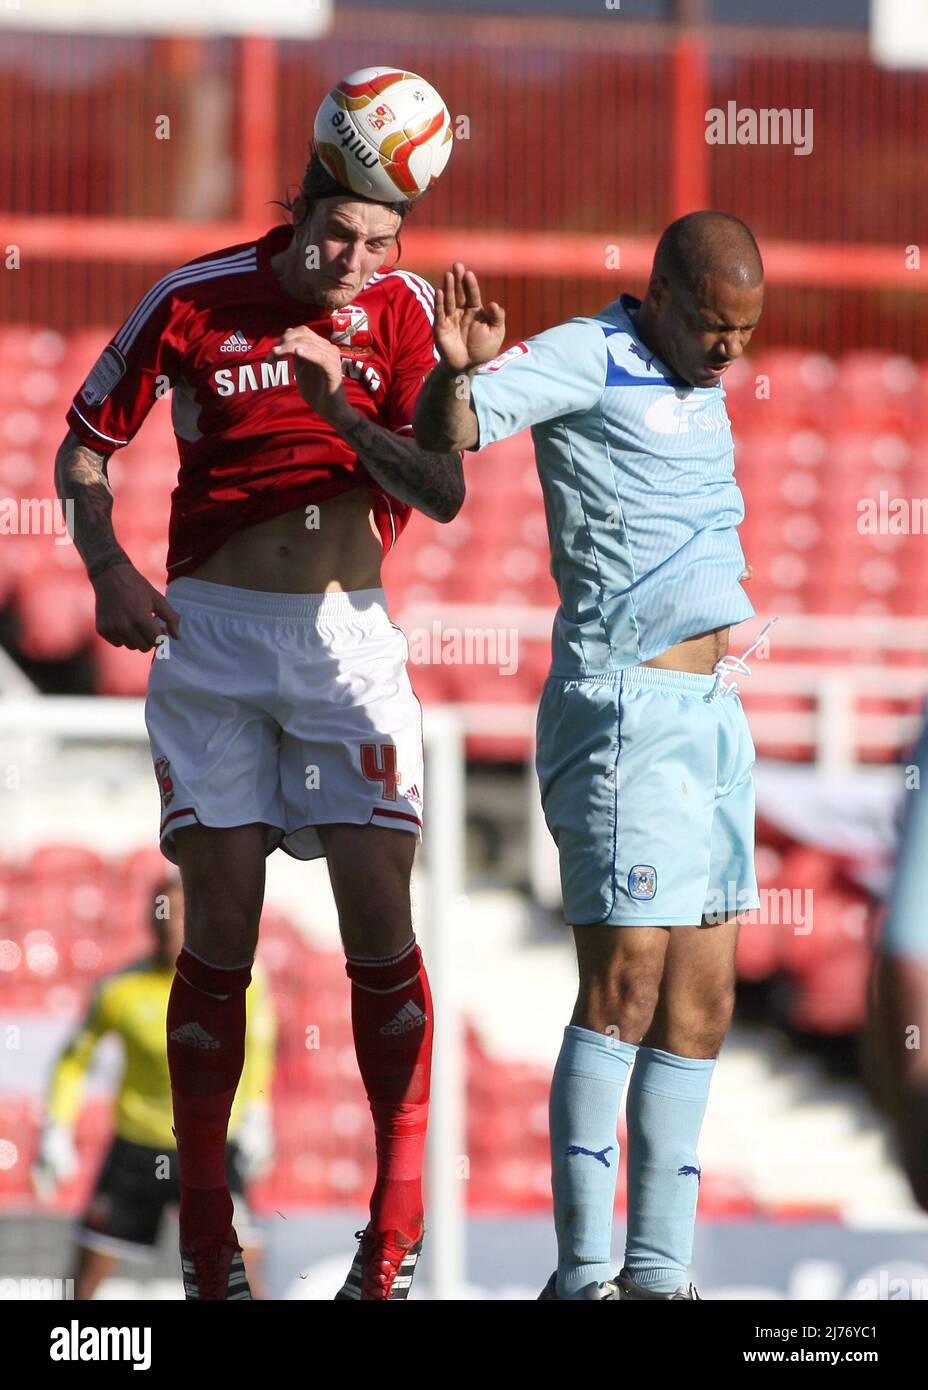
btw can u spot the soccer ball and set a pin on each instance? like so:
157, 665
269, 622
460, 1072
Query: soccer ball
384, 134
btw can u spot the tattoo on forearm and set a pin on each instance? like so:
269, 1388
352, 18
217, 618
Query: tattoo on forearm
433, 483
81, 481
444, 415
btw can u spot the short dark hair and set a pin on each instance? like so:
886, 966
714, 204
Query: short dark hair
708, 243
318, 183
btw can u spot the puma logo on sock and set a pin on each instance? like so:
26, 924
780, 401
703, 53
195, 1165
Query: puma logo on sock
696, 1172
599, 1154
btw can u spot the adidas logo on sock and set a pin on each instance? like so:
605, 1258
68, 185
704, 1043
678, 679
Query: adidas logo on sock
409, 1017
236, 342
195, 1035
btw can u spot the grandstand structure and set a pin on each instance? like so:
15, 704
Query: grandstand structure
831, 425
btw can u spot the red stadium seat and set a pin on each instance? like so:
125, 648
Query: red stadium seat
66, 861
832, 996
120, 671
56, 615
804, 387
879, 389
24, 344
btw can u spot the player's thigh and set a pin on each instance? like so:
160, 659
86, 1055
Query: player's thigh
698, 989
700, 961
697, 994
370, 868
351, 750
213, 741
627, 768
610, 957
732, 884
620, 973
223, 874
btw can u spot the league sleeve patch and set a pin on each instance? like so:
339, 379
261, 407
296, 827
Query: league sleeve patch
642, 881
108, 371
498, 363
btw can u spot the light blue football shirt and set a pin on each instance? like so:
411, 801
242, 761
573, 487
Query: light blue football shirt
905, 931
637, 471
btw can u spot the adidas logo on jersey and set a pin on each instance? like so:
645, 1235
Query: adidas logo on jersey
409, 1017
195, 1035
236, 342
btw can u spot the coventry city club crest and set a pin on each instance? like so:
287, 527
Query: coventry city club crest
642, 881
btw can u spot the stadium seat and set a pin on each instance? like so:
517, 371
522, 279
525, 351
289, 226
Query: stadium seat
879, 389
120, 671
804, 387
56, 615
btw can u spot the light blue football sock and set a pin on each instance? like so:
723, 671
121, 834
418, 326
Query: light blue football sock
586, 1092
667, 1099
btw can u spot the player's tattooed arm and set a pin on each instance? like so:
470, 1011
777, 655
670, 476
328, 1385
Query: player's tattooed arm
85, 492
431, 482
130, 611
467, 334
444, 418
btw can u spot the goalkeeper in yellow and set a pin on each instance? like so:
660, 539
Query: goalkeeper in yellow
139, 1176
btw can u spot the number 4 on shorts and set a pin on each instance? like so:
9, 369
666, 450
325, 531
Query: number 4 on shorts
378, 763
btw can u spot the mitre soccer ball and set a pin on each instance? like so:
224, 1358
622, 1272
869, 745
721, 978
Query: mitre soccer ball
384, 134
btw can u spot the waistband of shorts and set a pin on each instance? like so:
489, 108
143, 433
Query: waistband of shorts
662, 678
259, 603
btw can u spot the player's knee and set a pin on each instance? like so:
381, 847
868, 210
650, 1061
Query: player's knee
700, 1026
378, 927
220, 928
718, 1013
374, 910
622, 1001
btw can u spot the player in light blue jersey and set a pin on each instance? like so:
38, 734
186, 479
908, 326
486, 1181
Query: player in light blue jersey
644, 755
899, 1020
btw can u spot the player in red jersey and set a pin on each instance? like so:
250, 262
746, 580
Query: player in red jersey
279, 708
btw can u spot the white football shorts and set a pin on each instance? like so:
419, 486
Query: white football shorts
291, 710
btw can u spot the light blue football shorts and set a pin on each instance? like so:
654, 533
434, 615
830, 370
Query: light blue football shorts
646, 786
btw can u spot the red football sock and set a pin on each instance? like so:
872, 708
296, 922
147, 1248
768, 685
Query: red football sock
206, 1051
391, 1017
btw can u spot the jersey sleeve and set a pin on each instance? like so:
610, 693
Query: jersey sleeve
67, 1083
135, 368
415, 354
559, 372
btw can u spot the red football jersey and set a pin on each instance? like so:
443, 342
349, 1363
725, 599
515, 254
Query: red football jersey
250, 447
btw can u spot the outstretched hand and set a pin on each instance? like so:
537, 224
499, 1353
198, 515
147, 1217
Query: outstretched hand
467, 332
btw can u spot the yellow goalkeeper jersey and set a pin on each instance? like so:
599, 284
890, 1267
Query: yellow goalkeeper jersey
133, 1003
